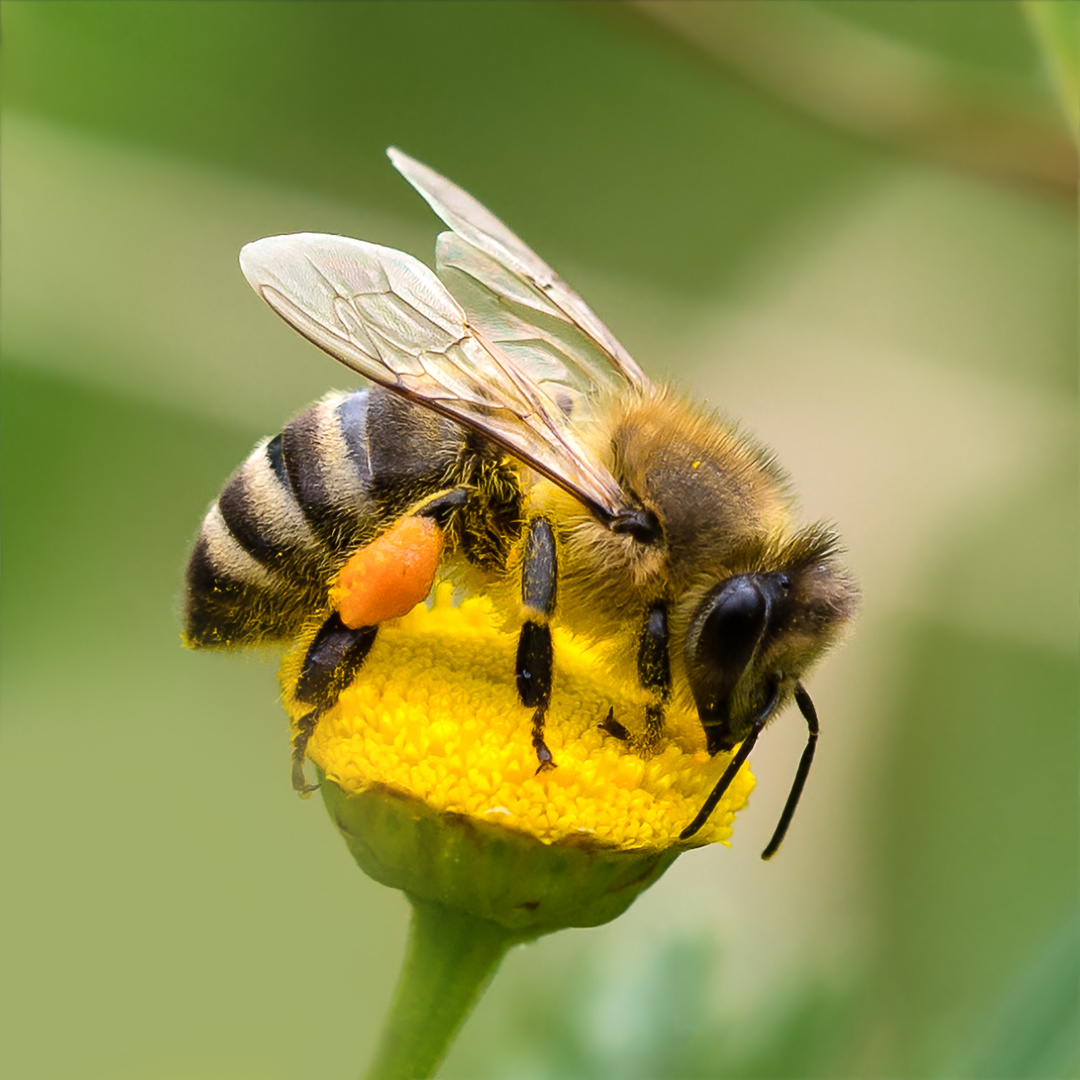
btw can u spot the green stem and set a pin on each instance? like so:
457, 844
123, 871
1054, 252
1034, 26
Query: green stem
450, 959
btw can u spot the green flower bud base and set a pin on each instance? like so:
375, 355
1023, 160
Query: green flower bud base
476, 890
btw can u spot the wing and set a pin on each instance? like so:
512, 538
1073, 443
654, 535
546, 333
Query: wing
522, 286
387, 316
558, 355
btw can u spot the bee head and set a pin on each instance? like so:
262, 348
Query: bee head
757, 632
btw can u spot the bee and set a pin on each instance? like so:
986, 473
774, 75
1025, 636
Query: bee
508, 438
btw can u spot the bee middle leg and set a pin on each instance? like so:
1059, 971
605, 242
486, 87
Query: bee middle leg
535, 657
654, 672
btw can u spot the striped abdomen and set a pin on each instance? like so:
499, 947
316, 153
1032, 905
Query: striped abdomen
303, 501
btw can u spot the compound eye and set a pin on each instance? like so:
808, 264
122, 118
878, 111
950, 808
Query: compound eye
735, 624
723, 640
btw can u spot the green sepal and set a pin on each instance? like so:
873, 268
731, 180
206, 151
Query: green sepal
488, 871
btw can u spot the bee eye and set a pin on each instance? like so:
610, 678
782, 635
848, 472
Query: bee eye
735, 623
723, 639
784, 580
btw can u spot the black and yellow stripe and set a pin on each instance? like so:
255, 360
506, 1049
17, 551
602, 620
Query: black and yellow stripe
301, 503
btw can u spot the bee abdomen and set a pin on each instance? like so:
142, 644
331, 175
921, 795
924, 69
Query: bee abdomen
325, 457
283, 525
263, 516
301, 504
231, 598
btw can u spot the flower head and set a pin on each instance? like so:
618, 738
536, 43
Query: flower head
435, 715
433, 734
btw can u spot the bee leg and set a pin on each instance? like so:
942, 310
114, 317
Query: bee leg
535, 657
369, 590
612, 727
534, 664
441, 508
654, 672
333, 660
305, 728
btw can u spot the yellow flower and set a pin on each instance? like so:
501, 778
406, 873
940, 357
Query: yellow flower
429, 773
435, 715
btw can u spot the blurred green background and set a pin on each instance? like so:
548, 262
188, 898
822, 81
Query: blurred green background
850, 224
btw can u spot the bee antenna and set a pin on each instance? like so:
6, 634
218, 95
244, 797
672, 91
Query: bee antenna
806, 707
724, 782
734, 766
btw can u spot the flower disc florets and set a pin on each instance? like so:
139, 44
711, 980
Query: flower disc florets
432, 737
435, 715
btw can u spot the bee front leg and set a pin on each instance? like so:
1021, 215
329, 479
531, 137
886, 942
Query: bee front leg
535, 658
654, 673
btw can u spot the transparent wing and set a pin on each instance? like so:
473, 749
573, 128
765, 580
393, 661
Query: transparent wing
483, 249
560, 357
387, 316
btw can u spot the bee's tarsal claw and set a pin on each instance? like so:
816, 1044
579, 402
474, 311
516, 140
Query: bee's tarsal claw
612, 727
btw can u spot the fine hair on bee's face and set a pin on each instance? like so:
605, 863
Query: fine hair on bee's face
510, 442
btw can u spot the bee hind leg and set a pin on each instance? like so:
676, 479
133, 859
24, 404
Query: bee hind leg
535, 658
305, 728
332, 662
369, 590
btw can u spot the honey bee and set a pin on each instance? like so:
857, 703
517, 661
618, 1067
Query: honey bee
509, 439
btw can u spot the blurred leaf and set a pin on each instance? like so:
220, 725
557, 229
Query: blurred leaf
101, 498
661, 1022
1056, 25
983, 35
1033, 1031
983, 762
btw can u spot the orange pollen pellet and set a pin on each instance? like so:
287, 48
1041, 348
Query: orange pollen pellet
390, 576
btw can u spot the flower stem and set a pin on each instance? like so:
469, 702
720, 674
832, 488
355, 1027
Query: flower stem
449, 960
